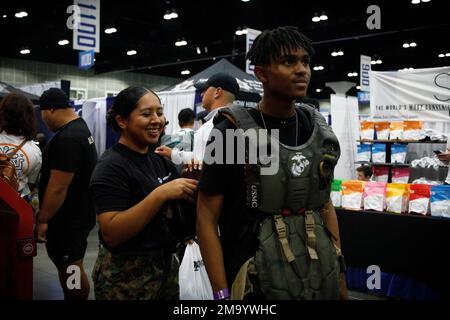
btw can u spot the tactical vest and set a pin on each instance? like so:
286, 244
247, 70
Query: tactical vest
296, 257
304, 178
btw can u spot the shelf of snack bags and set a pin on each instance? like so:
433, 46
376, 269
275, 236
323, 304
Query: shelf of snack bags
396, 198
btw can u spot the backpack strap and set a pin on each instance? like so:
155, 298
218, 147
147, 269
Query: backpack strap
13, 153
238, 116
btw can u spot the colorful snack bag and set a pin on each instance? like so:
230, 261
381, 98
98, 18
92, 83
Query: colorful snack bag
396, 130
398, 153
382, 130
419, 198
379, 153
363, 154
400, 175
367, 130
397, 196
381, 174
374, 196
336, 193
352, 194
440, 201
412, 130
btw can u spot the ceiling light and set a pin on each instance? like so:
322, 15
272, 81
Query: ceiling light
406, 45
340, 52
21, 14
415, 1
5, 16
199, 51
174, 14
318, 90
167, 15
241, 31
180, 43
25, 51
131, 52
110, 30
316, 18
358, 87
334, 54
245, 0
441, 55
63, 42
352, 74
379, 61
413, 44
373, 62
426, 0
319, 68
323, 16
447, 54
185, 72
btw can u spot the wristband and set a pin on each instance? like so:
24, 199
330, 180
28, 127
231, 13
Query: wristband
222, 294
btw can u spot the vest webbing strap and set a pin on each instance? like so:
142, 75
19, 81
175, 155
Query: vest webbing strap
311, 235
280, 226
241, 118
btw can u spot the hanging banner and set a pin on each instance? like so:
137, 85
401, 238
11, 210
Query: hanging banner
365, 69
421, 94
86, 35
251, 36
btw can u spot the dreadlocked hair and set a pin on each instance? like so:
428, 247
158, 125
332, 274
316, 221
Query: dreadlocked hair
272, 44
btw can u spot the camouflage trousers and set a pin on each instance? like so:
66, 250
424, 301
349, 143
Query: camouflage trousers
135, 277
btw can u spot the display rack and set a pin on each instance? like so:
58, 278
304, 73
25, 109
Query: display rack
402, 141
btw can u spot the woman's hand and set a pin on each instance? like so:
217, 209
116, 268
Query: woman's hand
179, 189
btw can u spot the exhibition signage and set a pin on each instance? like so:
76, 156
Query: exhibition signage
420, 94
86, 35
365, 69
86, 59
251, 36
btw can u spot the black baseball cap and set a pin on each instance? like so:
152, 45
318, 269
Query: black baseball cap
54, 98
222, 80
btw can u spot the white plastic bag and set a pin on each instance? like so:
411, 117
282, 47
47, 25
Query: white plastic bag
193, 278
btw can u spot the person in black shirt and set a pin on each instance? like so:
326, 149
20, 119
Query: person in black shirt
66, 213
136, 195
281, 58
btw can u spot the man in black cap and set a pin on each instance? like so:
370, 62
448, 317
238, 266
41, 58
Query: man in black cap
66, 214
218, 91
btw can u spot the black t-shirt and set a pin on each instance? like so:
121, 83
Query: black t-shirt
122, 179
71, 149
239, 224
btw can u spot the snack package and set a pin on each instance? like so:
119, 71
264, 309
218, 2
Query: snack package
336, 193
363, 154
379, 153
352, 194
400, 175
440, 201
412, 130
396, 130
398, 153
382, 130
367, 130
374, 196
397, 195
419, 198
381, 173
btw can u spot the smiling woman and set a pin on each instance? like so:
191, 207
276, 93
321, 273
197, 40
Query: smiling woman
136, 195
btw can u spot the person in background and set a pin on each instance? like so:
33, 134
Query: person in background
17, 131
445, 158
66, 214
136, 192
364, 173
183, 138
219, 91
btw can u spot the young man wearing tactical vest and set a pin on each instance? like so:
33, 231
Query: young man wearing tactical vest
278, 235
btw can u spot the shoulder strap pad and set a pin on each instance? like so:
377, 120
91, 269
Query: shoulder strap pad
238, 115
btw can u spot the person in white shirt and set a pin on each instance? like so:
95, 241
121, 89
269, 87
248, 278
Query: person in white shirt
445, 158
219, 91
18, 124
183, 138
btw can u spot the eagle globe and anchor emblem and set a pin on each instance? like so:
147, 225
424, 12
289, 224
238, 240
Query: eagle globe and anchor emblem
300, 163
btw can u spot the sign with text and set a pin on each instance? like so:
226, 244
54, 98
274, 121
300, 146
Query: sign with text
86, 35
420, 94
251, 36
366, 67
86, 59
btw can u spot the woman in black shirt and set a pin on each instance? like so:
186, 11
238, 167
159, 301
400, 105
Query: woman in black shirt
135, 193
